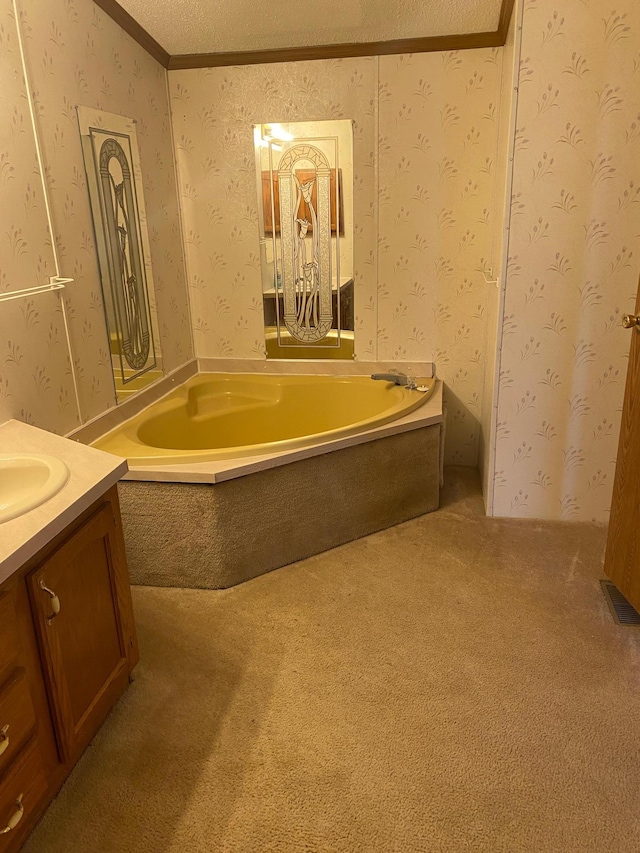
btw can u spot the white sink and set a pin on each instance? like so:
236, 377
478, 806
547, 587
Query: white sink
28, 480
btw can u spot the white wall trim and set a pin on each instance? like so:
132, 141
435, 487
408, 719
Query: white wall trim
504, 261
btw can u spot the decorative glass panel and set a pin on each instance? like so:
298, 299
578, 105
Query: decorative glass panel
305, 192
112, 164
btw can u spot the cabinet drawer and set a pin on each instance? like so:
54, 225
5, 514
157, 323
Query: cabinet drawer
9, 638
20, 795
17, 718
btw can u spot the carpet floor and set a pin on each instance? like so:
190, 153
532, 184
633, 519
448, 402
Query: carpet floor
455, 683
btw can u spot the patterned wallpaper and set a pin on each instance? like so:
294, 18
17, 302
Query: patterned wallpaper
437, 148
77, 55
574, 256
213, 113
425, 138
26, 259
35, 382
493, 291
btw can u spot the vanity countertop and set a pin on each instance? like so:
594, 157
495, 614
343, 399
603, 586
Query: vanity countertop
91, 473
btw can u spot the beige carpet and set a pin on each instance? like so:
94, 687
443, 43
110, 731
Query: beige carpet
452, 684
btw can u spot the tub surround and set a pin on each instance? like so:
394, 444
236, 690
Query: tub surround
216, 536
92, 473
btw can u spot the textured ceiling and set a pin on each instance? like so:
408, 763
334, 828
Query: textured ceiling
213, 26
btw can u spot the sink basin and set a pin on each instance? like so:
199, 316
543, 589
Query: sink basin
28, 480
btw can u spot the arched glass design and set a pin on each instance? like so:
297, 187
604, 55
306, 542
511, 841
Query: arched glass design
305, 191
112, 165
305, 244
125, 259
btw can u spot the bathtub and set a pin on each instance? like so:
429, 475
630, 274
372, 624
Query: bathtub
225, 416
233, 475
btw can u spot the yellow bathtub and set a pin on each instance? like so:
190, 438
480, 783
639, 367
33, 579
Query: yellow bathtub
226, 415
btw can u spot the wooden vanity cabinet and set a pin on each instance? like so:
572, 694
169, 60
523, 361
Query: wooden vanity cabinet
83, 631
67, 649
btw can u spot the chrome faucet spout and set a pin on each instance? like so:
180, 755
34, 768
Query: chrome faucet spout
397, 379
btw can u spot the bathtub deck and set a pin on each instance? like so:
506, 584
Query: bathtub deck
226, 469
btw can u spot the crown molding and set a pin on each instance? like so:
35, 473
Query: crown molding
506, 11
463, 41
133, 28
337, 51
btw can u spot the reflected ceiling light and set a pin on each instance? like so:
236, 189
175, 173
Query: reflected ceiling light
274, 134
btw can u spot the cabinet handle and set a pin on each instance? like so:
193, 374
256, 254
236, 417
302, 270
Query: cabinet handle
15, 818
55, 602
4, 739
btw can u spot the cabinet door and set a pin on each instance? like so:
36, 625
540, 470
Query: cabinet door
74, 596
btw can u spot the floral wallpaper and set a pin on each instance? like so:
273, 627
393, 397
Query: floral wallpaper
494, 287
574, 256
214, 110
26, 259
35, 381
77, 55
425, 138
438, 118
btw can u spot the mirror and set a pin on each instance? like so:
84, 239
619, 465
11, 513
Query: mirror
114, 180
304, 176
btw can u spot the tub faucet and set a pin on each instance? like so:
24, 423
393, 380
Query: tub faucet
397, 379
